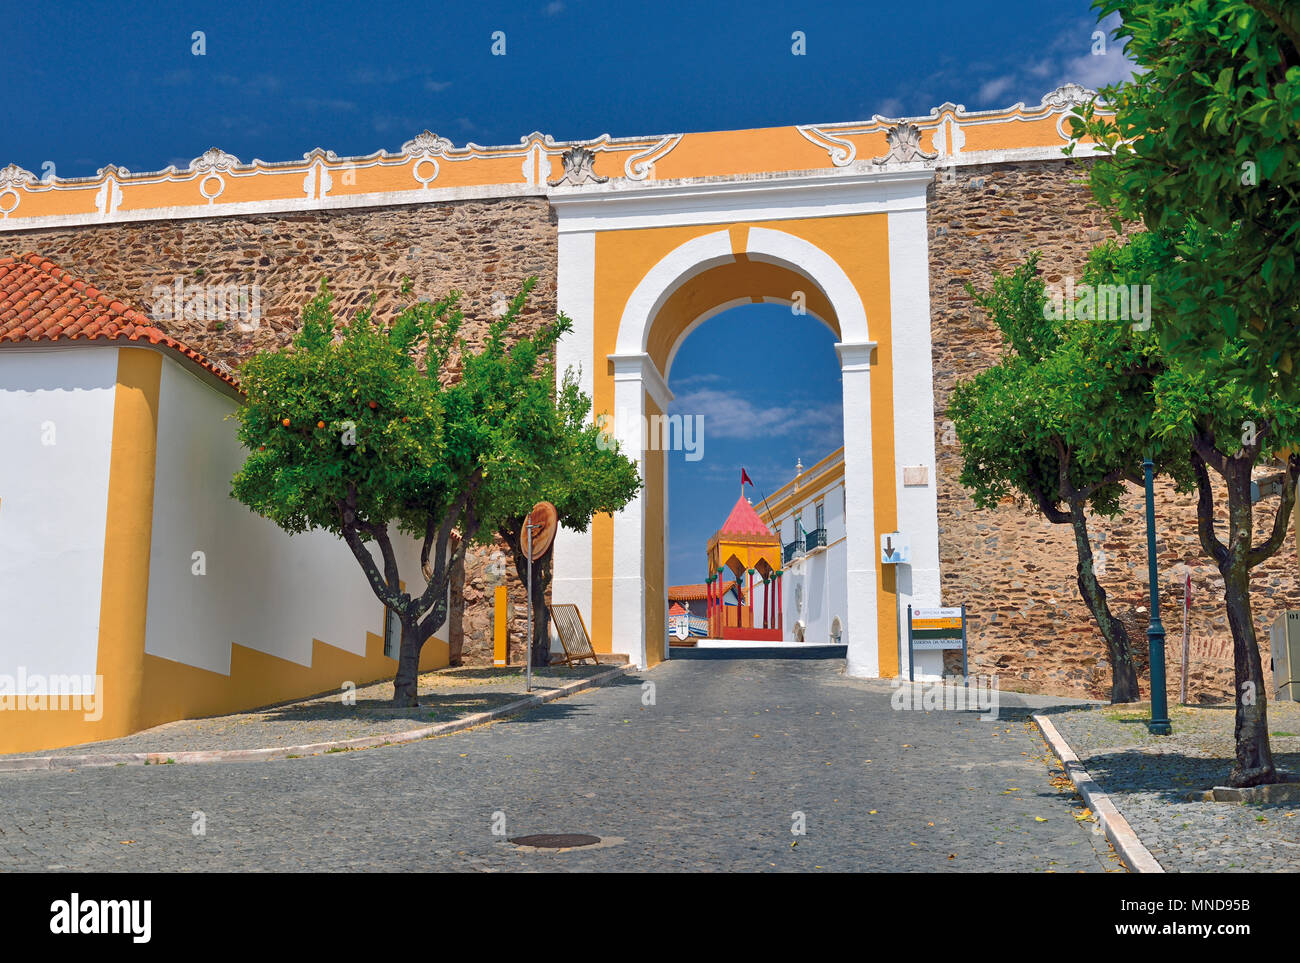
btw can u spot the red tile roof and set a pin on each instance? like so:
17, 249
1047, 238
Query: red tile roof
39, 301
743, 520
676, 609
693, 593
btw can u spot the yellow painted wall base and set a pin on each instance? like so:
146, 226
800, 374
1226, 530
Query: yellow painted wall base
140, 690
172, 690
500, 629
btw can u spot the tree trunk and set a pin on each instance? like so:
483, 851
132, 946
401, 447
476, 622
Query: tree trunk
1254, 754
512, 534
406, 683
456, 614
1123, 677
414, 634
541, 614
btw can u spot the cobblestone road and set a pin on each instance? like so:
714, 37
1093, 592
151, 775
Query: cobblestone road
709, 777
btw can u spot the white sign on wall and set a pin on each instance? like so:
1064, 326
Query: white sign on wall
894, 549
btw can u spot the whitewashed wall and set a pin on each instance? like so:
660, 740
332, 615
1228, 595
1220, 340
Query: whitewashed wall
56, 432
822, 576
262, 588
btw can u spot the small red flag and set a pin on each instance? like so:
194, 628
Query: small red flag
744, 478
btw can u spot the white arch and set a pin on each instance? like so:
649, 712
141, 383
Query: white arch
636, 374
698, 255
787, 250
676, 268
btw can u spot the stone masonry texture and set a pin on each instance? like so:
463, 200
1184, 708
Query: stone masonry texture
1013, 569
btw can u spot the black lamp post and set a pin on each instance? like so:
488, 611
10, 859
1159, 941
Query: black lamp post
1159, 724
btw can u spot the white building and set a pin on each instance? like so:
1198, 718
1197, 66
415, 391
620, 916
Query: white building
808, 514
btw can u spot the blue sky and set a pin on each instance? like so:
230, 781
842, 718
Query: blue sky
91, 85
794, 412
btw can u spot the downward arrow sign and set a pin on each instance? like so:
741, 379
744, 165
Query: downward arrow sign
889, 545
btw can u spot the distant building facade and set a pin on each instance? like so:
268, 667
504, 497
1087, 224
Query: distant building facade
807, 514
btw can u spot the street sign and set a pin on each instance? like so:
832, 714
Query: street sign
543, 520
894, 549
935, 628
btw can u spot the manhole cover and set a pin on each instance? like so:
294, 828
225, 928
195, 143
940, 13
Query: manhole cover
556, 840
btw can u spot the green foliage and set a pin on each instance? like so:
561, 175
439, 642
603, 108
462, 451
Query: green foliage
348, 410
1206, 145
358, 427
585, 473
1072, 390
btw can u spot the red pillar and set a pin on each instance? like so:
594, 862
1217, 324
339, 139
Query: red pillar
767, 602
708, 588
750, 599
780, 610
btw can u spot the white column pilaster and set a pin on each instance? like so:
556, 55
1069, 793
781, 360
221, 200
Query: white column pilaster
634, 376
918, 507
576, 285
863, 657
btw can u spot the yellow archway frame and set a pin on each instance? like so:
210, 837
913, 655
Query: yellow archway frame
638, 271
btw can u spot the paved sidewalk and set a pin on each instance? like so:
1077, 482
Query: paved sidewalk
1149, 778
445, 696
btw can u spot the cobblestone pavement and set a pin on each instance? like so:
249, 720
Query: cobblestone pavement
709, 777
445, 695
1149, 776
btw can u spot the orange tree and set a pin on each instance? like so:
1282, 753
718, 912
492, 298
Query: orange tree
1064, 418
1204, 145
1209, 408
587, 474
351, 429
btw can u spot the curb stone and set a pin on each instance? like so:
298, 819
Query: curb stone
201, 756
1277, 793
1136, 856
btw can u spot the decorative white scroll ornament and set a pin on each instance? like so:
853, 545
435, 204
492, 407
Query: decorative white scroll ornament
578, 169
904, 146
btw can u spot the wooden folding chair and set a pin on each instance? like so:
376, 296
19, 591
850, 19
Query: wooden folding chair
573, 635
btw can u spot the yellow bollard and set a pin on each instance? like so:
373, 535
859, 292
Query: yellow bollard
499, 627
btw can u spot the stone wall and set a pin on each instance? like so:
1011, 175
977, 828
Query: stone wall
1014, 570
484, 249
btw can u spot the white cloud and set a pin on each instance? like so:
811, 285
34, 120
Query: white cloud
1081, 65
690, 381
383, 123
554, 7
1069, 58
889, 107
385, 75
730, 415
992, 90
253, 84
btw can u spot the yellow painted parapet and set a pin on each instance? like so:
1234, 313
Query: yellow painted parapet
430, 167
